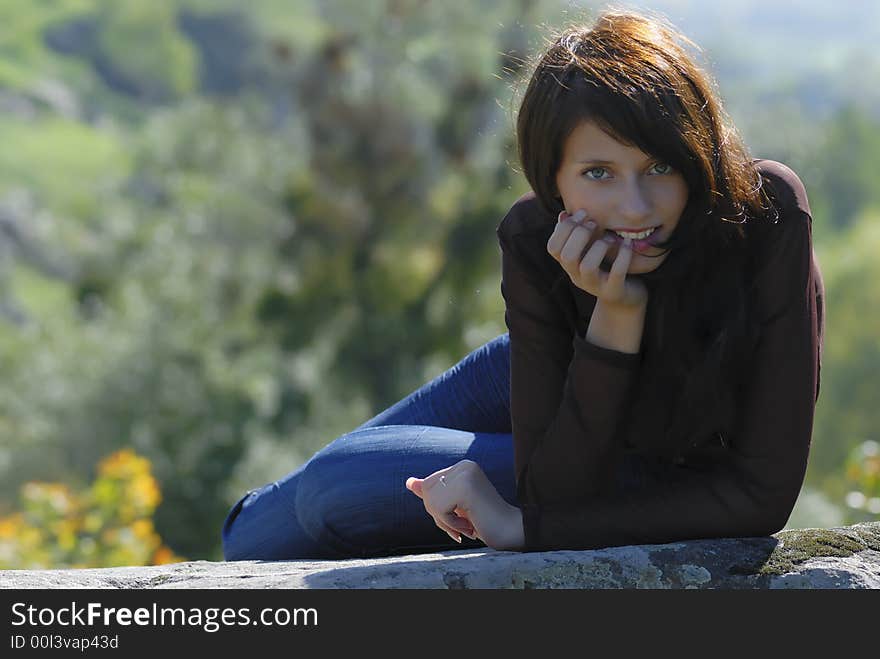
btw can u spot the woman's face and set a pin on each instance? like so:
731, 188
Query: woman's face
621, 188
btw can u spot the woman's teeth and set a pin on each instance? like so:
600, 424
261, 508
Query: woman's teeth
636, 236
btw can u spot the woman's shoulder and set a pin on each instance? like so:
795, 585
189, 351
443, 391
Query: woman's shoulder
523, 234
788, 219
526, 216
781, 247
787, 191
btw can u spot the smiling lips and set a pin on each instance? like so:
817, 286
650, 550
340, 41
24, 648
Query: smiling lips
642, 240
641, 244
635, 235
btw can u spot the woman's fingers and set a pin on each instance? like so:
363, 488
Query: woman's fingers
417, 487
573, 250
454, 525
447, 523
580, 249
574, 246
451, 532
616, 283
461, 523
439, 497
570, 225
414, 485
559, 237
588, 268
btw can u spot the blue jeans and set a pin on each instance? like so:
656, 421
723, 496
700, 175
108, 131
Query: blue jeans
349, 500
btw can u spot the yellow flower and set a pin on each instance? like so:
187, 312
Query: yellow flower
163, 555
144, 490
123, 464
143, 529
108, 524
10, 526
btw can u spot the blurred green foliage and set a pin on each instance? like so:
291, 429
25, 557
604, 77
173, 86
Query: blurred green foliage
229, 279
229, 236
848, 415
156, 63
863, 476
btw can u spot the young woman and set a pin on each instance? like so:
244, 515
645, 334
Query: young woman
661, 368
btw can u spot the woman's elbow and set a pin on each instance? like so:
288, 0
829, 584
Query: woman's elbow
767, 519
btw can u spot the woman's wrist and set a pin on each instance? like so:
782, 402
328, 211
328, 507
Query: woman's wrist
516, 537
617, 328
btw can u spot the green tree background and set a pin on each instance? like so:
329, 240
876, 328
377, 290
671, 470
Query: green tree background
230, 233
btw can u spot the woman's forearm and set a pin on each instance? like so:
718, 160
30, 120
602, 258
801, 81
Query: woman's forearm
617, 328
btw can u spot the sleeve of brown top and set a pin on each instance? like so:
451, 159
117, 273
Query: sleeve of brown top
754, 491
566, 394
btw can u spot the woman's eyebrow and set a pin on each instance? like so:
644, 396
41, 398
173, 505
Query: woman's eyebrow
599, 161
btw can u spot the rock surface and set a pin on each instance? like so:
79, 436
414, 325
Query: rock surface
840, 557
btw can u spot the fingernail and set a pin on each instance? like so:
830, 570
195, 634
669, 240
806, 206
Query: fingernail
590, 225
609, 239
458, 539
579, 215
627, 242
561, 216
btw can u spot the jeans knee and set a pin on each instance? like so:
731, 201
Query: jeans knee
346, 500
263, 525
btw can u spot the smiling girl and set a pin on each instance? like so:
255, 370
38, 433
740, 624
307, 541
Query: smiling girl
660, 372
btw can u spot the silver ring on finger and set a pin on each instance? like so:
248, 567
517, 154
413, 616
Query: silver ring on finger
443, 480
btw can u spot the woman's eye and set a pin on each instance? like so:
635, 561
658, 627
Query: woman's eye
661, 168
596, 173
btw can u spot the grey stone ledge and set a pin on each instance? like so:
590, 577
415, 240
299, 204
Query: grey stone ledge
839, 557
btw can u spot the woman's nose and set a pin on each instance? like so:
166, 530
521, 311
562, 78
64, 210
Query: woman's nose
634, 204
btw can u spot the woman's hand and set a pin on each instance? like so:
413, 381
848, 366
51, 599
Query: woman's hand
570, 237
462, 500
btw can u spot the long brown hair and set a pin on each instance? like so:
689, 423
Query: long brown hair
635, 76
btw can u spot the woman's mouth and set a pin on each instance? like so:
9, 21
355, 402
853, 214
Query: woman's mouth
639, 245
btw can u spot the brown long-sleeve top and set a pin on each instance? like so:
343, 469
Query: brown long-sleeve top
577, 409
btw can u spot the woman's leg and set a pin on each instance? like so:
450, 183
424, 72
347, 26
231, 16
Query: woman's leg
263, 525
285, 519
352, 497
473, 395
